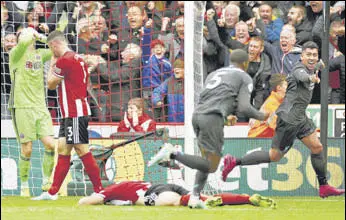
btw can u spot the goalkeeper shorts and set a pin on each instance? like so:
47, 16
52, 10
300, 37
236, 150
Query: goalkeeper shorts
32, 124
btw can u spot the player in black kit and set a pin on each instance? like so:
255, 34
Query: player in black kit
226, 92
293, 123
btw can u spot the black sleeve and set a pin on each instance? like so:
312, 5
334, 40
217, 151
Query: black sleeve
244, 105
341, 44
335, 63
178, 189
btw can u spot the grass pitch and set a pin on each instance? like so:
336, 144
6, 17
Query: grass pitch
290, 208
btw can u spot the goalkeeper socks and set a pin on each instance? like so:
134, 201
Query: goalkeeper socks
48, 164
255, 157
200, 180
92, 170
234, 199
61, 170
192, 161
24, 167
319, 166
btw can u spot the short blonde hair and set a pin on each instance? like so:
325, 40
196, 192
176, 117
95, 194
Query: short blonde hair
82, 24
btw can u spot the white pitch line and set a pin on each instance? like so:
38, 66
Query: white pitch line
312, 200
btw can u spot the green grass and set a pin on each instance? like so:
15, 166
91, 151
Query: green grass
290, 208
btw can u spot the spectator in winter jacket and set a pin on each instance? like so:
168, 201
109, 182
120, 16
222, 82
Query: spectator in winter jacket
230, 18
156, 69
135, 120
173, 88
338, 63
122, 79
259, 69
174, 42
284, 56
272, 27
297, 17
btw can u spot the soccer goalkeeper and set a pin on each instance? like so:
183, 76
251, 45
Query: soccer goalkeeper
30, 116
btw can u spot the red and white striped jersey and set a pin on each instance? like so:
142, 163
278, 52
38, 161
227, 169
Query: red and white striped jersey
73, 88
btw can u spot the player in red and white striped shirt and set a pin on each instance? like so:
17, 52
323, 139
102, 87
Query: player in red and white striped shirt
71, 74
72, 71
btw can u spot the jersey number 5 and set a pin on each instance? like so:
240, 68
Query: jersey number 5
215, 80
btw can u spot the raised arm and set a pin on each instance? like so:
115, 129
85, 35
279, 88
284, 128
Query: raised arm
26, 39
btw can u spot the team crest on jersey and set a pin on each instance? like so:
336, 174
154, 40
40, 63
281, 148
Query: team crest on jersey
57, 70
21, 135
28, 65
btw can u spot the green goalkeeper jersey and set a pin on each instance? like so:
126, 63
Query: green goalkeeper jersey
26, 67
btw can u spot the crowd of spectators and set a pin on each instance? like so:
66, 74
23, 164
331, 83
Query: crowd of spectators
136, 49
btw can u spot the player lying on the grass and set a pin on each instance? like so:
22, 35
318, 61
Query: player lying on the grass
143, 193
292, 123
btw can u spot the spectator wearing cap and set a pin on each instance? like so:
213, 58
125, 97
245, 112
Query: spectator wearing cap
156, 67
173, 88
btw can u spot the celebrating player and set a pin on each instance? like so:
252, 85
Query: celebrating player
293, 123
143, 193
226, 91
71, 73
30, 116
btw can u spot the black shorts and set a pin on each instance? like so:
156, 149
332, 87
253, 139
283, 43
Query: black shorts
209, 132
75, 130
286, 133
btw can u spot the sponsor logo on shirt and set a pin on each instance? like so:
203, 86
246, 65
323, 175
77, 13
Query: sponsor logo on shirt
29, 65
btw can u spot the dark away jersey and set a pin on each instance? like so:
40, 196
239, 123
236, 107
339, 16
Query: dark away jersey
227, 91
298, 95
155, 190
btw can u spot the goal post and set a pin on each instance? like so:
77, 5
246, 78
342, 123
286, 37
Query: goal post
194, 75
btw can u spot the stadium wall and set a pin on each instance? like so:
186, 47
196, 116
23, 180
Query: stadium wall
292, 176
